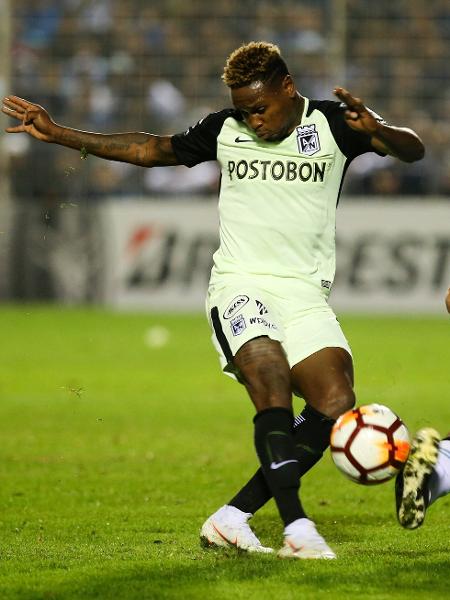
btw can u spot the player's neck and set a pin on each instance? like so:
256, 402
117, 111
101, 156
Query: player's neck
298, 111
300, 107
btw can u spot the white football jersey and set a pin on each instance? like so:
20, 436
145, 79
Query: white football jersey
278, 199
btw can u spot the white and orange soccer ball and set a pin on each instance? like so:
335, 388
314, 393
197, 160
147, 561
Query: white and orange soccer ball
369, 444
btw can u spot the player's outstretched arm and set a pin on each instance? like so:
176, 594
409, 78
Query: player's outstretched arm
447, 300
401, 142
142, 149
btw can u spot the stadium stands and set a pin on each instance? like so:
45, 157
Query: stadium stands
124, 65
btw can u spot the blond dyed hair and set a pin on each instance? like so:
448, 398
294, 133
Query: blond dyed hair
255, 61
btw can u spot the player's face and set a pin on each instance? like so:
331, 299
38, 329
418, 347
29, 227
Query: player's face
272, 112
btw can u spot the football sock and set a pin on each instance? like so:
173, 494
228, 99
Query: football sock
274, 443
255, 493
311, 438
439, 482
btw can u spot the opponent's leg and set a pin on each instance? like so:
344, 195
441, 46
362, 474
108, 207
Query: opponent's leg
439, 484
424, 478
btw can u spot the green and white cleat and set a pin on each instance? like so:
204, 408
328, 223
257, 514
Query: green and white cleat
302, 540
411, 485
228, 528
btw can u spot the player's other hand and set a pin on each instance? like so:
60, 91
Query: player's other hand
34, 119
357, 115
447, 300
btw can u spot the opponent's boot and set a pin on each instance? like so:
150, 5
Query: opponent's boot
411, 485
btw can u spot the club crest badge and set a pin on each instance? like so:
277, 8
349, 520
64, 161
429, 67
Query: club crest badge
238, 325
308, 140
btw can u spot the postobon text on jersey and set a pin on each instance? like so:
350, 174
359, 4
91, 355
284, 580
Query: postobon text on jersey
276, 170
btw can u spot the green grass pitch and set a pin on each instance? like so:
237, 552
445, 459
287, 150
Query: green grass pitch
113, 452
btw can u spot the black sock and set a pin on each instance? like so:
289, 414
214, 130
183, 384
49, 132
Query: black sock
311, 438
274, 443
255, 493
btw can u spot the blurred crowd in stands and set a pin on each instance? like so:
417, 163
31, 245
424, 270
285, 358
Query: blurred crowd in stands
139, 65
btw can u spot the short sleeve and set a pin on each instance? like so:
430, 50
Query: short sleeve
351, 143
199, 143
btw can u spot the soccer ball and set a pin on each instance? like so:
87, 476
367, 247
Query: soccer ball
369, 444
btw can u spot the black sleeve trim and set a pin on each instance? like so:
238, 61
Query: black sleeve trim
351, 143
199, 143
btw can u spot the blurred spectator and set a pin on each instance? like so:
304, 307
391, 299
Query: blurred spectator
201, 180
164, 101
121, 65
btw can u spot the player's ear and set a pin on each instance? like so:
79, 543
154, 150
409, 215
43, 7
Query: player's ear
288, 86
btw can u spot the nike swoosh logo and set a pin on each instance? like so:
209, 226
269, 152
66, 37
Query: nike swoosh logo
239, 140
225, 538
275, 465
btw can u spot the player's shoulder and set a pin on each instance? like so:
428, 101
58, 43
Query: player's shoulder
207, 128
331, 116
351, 143
331, 109
215, 120
198, 143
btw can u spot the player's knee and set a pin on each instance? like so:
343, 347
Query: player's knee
338, 400
269, 380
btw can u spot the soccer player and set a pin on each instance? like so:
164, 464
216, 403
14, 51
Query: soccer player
426, 475
283, 158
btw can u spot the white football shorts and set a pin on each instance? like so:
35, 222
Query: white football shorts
295, 313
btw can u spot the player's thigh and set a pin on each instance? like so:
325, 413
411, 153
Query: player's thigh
264, 370
325, 380
321, 362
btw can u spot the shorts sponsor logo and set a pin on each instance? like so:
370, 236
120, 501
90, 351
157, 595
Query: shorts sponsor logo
262, 321
238, 325
326, 284
235, 305
308, 140
261, 308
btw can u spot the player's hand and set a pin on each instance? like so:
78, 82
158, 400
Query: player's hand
34, 119
447, 300
357, 116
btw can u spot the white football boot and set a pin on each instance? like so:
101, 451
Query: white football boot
301, 540
228, 527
